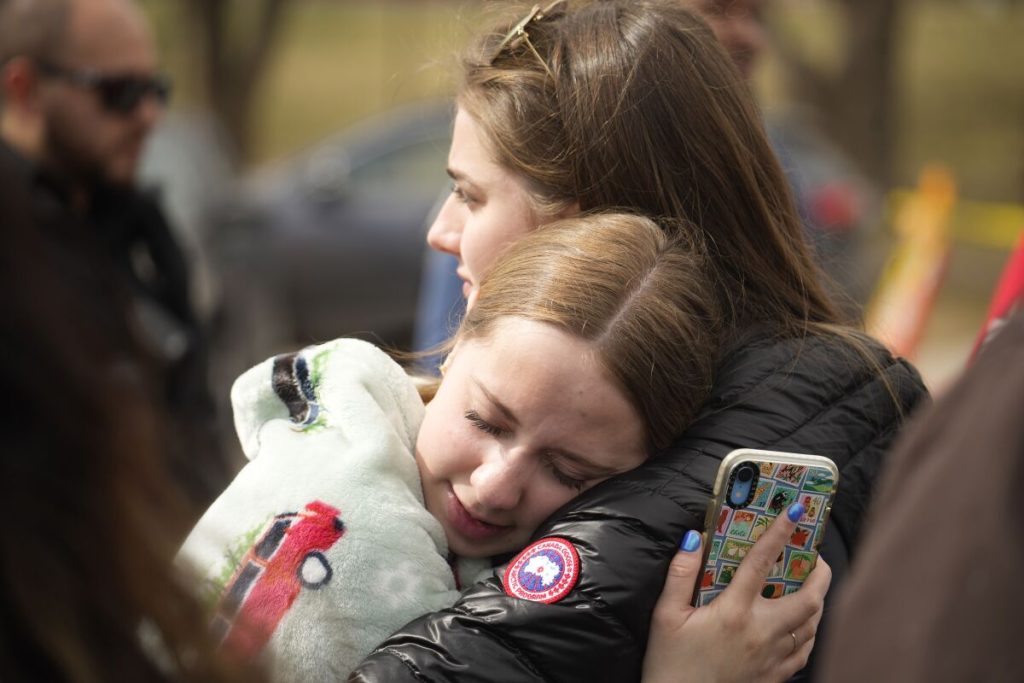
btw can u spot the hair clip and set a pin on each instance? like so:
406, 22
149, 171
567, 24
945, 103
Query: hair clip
518, 35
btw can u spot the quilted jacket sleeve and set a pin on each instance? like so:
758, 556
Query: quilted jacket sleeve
785, 395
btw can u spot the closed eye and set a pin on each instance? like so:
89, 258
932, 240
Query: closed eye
565, 479
483, 425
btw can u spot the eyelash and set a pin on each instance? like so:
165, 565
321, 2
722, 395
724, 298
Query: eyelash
483, 425
560, 476
564, 479
461, 196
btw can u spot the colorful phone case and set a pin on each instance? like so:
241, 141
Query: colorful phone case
782, 479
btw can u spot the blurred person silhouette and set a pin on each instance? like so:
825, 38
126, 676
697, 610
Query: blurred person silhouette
951, 494
86, 589
831, 197
79, 94
935, 594
739, 27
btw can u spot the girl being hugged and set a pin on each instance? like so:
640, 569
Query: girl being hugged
588, 347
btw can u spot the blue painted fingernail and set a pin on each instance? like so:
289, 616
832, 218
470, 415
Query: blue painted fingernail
691, 541
795, 512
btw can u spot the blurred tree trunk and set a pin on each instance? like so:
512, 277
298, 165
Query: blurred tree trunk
237, 39
858, 103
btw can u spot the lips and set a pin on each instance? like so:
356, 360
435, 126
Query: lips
468, 526
467, 284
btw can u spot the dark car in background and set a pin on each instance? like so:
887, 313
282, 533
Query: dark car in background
331, 241
326, 243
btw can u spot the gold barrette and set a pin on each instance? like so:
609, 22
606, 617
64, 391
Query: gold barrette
518, 35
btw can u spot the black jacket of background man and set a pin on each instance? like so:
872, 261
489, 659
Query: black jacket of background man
121, 253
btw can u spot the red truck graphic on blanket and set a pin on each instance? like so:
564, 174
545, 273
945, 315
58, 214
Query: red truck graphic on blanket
287, 557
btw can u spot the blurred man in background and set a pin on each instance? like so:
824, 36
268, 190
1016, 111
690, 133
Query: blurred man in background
80, 92
831, 196
739, 27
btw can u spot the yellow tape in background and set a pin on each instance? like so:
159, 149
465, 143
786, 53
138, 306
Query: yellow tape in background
928, 222
984, 224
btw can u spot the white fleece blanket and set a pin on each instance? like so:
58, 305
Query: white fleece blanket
321, 547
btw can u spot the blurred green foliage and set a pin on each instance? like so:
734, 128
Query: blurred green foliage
336, 62
961, 86
961, 98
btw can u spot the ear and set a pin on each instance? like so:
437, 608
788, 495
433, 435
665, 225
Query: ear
474, 292
569, 211
19, 82
446, 363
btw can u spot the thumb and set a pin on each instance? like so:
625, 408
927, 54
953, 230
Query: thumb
682, 574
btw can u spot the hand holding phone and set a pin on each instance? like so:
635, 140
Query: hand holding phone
751, 489
700, 643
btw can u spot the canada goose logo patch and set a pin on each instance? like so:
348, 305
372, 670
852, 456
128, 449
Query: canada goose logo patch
544, 572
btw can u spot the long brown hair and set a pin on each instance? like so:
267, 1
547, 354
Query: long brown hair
640, 298
633, 104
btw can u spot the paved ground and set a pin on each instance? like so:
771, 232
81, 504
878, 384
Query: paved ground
958, 314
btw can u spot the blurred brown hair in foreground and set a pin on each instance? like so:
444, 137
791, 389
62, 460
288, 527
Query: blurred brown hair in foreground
88, 592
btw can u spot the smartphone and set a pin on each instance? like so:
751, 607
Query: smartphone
752, 488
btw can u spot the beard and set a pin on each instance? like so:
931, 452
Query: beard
69, 151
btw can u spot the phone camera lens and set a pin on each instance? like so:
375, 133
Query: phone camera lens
741, 488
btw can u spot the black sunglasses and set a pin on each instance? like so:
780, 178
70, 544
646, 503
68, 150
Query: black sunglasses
120, 93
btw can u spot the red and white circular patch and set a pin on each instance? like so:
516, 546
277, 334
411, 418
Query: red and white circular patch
544, 572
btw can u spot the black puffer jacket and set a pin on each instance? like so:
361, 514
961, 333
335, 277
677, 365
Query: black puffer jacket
793, 395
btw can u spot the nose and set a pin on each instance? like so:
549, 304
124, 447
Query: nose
445, 234
754, 35
748, 37
149, 112
500, 481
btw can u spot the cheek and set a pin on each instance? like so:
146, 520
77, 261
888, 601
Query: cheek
489, 231
77, 128
60, 118
486, 237
428, 454
443, 447
547, 498
79, 112
481, 241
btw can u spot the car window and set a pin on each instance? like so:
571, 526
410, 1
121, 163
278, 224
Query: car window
412, 172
